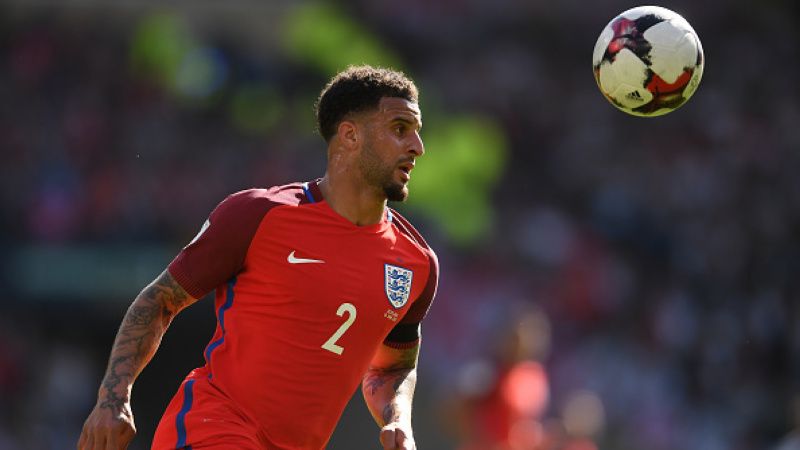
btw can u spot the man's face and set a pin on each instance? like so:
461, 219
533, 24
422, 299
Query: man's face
391, 145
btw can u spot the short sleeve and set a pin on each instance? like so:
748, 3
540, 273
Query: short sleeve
218, 252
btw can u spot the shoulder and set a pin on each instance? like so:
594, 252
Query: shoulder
288, 194
258, 201
405, 227
408, 229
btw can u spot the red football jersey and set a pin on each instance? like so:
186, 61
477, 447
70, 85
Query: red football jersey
304, 298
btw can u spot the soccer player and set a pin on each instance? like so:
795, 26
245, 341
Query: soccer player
500, 401
319, 287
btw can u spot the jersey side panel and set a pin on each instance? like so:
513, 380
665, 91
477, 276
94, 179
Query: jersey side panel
421, 305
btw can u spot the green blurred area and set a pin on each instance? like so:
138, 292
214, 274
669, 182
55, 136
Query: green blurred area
325, 38
256, 107
158, 47
465, 157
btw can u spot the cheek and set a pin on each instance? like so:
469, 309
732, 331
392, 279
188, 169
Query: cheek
387, 146
382, 140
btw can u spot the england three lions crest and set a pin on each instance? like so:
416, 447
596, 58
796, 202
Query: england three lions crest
397, 282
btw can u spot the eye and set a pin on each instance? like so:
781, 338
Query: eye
399, 129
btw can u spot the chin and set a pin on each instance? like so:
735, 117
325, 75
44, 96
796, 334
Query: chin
396, 192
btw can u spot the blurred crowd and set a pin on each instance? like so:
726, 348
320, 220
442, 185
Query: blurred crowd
649, 264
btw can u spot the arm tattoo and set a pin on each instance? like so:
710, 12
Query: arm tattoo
375, 379
388, 390
167, 292
141, 315
388, 413
373, 382
139, 336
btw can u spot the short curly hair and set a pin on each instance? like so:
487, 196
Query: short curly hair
357, 89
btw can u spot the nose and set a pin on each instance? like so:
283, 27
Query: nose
417, 148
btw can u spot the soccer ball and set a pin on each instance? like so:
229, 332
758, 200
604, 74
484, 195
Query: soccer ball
648, 61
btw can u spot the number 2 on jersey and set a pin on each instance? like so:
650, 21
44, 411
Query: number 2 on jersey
330, 344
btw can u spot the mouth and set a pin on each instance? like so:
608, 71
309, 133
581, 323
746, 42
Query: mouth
405, 170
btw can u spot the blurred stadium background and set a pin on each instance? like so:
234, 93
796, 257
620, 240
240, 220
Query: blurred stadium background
661, 256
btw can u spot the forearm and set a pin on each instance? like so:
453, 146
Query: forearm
389, 395
138, 338
136, 342
388, 389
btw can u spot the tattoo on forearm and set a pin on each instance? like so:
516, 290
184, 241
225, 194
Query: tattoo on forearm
376, 378
388, 413
141, 315
139, 336
168, 292
373, 382
113, 402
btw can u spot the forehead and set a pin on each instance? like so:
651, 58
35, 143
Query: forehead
395, 106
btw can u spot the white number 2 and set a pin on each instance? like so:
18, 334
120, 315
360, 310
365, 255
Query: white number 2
330, 344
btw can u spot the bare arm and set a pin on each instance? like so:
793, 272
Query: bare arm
388, 389
110, 424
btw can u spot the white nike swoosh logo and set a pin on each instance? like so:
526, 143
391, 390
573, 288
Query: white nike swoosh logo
294, 260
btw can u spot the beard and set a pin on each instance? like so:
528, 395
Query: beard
381, 175
395, 192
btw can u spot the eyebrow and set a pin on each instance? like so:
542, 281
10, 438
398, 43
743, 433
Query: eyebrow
403, 119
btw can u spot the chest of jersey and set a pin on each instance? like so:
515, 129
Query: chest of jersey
338, 286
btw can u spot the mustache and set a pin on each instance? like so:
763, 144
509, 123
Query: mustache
406, 160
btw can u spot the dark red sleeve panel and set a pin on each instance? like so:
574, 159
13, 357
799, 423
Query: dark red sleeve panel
420, 308
406, 333
218, 252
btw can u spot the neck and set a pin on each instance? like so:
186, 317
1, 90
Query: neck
351, 198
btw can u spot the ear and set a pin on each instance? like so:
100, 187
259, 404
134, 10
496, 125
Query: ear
348, 133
